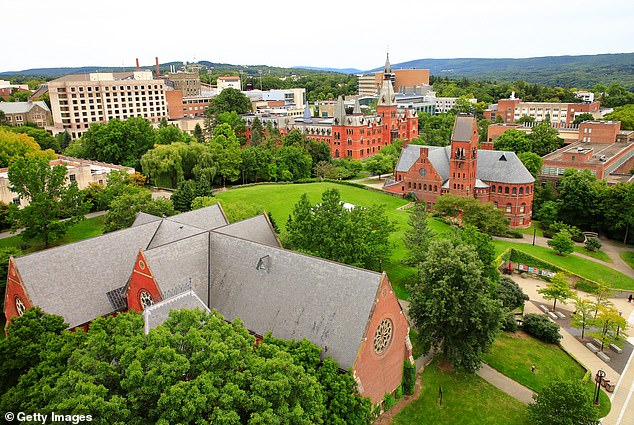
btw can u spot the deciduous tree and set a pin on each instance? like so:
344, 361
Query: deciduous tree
557, 290
562, 243
563, 403
583, 316
418, 235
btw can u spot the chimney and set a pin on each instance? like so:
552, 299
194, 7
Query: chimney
158, 72
137, 64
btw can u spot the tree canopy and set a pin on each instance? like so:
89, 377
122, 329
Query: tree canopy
451, 305
194, 369
563, 403
19, 145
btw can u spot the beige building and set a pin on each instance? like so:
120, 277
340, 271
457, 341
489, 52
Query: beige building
19, 113
187, 82
79, 100
81, 171
228, 82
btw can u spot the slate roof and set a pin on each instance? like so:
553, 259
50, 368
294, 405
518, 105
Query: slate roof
490, 168
73, 280
21, 107
256, 229
158, 313
463, 128
204, 218
177, 264
170, 231
143, 218
292, 295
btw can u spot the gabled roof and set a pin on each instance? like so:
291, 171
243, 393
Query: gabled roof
170, 231
158, 313
181, 263
73, 280
21, 107
256, 229
292, 295
510, 170
204, 218
143, 218
340, 111
439, 158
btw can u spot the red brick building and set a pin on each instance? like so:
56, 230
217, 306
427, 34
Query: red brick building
462, 169
353, 135
511, 110
198, 260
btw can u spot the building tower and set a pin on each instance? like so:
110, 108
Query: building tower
386, 106
339, 131
464, 156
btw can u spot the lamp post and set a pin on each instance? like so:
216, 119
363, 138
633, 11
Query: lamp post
534, 233
598, 379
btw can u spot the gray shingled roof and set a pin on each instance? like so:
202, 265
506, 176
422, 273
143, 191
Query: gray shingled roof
72, 280
204, 218
170, 231
409, 156
21, 107
463, 128
292, 295
256, 229
490, 168
143, 218
158, 313
439, 158
176, 264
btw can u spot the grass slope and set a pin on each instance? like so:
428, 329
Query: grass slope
583, 267
628, 257
467, 400
599, 255
279, 200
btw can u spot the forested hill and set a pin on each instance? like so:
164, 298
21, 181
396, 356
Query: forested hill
563, 71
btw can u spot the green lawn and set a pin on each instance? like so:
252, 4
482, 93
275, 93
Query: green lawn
628, 257
514, 355
531, 230
599, 255
85, 229
279, 200
467, 399
583, 267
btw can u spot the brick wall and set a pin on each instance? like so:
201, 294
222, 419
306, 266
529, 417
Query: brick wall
141, 280
15, 289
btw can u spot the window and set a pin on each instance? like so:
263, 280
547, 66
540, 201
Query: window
383, 336
521, 190
522, 207
19, 306
146, 299
493, 188
508, 208
499, 189
506, 190
514, 191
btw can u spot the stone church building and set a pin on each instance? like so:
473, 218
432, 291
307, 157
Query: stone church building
198, 260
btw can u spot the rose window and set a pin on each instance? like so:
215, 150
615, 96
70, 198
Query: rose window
382, 336
146, 299
19, 306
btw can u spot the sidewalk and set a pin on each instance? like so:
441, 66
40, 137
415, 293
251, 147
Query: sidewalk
509, 386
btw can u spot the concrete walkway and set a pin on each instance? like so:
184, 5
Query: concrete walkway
506, 384
8, 234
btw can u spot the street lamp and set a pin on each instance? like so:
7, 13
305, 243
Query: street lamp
598, 379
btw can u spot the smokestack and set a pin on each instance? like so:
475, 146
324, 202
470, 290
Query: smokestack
137, 64
158, 72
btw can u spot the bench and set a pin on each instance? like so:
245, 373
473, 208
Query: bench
561, 315
597, 342
603, 356
616, 349
592, 347
544, 308
553, 315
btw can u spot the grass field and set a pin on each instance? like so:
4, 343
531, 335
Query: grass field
514, 354
467, 400
583, 267
85, 229
599, 255
278, 200
628, 257
531, 230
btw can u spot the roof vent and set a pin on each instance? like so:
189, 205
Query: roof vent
502, 158
264, 263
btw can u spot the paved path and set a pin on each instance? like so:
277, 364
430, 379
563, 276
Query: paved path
4, 235
506, 384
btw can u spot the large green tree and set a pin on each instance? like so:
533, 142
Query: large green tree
196, 368
532, 162
563, 403
50, 199
545, 139
417, 236
124, 208
451, 306
513, 140
17, 145
579, 199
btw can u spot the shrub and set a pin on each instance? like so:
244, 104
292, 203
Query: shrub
409, 377
541, 328
509, 324
593, 244
388, 402
586, 286
515, 234
561, 243
410, 197
398, 394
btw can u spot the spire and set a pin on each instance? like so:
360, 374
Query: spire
340, 112
388, 67
307, 114
387, 96
357, 108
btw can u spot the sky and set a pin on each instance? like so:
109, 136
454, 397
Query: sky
322, 33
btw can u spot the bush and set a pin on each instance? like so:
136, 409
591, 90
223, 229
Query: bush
562, 243
388, 402
398, 394
509, 324
512, 233
409, 377
541, 328
593, 244
411, 196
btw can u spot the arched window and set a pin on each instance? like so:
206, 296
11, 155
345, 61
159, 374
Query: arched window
493, 188
409, 185
435, 188
514, 191
508, 208
506, 190
425, 186
522, 207
19, 306
420, 186
521, 190
495, 204
146, 299
499, 189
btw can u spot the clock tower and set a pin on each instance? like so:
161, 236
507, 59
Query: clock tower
463, 163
